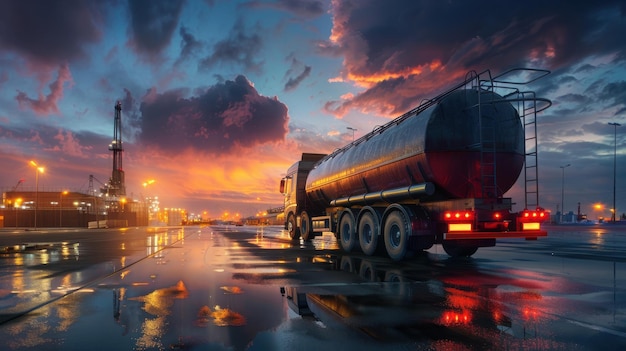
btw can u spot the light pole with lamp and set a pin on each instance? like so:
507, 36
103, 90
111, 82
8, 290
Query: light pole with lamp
563, 190
615, 125
353, 130
38, 169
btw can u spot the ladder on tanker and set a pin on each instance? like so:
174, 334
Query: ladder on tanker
528, 105
528, 115
486, 133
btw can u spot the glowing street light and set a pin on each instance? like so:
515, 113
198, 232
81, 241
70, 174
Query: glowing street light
599, 207
38, 169
615, 125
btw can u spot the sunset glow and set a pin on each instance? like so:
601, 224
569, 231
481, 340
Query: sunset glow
219, 98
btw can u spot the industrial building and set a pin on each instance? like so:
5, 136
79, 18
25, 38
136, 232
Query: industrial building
108, 208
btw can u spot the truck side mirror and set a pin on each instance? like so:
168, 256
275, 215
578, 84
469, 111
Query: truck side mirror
282, 186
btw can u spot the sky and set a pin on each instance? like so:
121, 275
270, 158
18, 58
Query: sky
220, 97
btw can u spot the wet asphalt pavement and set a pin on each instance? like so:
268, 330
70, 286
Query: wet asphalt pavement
251, 288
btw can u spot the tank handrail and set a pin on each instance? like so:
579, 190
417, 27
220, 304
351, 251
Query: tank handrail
540, 74
547, 102
425, 104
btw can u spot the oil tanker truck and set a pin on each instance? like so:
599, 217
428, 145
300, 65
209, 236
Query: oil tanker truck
434, 175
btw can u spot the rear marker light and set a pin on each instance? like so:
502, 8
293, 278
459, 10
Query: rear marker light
458, 216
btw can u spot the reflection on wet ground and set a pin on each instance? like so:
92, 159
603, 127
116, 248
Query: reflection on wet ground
233, 288
447, 313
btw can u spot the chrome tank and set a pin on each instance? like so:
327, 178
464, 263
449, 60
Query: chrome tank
440, 145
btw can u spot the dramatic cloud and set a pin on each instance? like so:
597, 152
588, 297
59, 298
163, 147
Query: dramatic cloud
239, 48
225, 117
418, 46
49, 32
47, 104
152, 25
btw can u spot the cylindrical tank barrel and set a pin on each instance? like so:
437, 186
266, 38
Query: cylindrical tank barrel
451, 144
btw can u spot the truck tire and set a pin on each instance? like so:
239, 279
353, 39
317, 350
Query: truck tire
306, 231
456, 250
346, 233
368, 233
396, 234
292, 228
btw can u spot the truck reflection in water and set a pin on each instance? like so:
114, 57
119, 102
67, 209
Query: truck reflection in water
468, 308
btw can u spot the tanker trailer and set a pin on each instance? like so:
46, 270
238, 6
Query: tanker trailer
435, 175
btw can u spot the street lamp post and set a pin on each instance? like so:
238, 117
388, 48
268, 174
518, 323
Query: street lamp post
38, 170
563, 190
615, 125
353, 130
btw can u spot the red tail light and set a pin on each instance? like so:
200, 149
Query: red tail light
534, 216
451, 216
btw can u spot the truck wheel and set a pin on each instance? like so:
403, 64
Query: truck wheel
292, 228
347, 236
368, 233
456, 250
306, 231
396, 235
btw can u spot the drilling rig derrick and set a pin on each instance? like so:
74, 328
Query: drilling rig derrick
116, 185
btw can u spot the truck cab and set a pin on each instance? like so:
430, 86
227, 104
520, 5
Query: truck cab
292, 186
